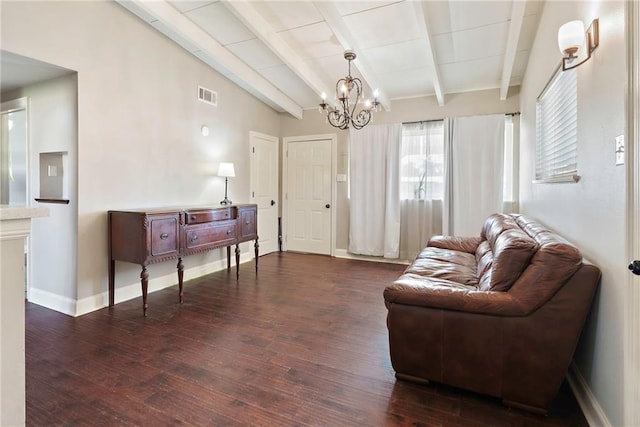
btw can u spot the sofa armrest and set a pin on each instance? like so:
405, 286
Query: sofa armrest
421, 291
463, 244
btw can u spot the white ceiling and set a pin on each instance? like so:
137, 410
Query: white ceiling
288, 52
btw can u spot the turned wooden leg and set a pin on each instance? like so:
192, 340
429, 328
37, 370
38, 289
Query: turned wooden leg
256, 246
228, 257
180, 276
144, 279
112, 284
237, 261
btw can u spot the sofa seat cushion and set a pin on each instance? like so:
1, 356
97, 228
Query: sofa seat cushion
446, 264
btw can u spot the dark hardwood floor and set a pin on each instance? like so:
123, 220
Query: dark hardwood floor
302, 343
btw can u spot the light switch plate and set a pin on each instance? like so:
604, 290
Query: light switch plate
52, 170
619, 150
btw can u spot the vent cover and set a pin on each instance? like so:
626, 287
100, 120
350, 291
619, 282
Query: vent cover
208, 96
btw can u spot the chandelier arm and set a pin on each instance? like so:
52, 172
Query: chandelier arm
358, 85
362, 119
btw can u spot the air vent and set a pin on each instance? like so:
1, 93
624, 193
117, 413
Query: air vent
208, 96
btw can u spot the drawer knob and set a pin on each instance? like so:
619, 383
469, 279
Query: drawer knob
228, 231
193, 217
247, 222
194, 238
164, 236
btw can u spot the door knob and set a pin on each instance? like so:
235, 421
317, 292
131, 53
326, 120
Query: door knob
327, 206
635, 267
273, 202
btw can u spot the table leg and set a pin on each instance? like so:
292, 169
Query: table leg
144, 279
237, 261
228, 257
112, 284
180, 277
256, 246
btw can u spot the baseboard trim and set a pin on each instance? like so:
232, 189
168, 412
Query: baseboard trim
53, 301
342, 253
92, 303
590, 406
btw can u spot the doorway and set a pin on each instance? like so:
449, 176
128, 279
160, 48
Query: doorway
14, 163
309, 194
14, 153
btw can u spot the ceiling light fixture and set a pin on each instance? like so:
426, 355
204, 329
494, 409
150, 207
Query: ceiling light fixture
575, 44
348, 95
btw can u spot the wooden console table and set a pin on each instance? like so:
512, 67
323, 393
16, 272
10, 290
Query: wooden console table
147, 236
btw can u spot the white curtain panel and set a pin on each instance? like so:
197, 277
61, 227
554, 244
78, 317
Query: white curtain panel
421, 185
477, 166
374, 208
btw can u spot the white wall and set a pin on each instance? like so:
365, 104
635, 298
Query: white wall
590, 213
139, 141
405, 110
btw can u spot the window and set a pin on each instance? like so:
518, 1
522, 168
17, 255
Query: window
557, 129
422, 161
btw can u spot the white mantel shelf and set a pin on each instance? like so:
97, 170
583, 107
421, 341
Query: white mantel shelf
8, 212
15, 226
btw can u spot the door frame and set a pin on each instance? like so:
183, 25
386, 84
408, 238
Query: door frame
632, 317
17, 104
276, 141
285, 183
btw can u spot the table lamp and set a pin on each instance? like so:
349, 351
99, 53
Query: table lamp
226, 170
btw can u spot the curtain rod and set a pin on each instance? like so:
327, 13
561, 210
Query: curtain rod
516, 113
422, 121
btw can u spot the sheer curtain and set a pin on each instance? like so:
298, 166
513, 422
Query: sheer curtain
422, 160
476, 172
374, 211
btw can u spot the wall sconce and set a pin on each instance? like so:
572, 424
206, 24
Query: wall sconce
575, 44
226, 170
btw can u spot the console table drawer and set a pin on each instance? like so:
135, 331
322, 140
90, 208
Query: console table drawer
200, 217
208, 235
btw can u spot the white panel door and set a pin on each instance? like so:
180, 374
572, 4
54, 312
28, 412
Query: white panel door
309, 196
264, 189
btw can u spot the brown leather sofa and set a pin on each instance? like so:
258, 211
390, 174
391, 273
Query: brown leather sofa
498, 314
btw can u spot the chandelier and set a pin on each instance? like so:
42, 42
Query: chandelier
349, 94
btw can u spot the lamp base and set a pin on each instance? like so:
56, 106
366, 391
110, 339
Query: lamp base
226, 201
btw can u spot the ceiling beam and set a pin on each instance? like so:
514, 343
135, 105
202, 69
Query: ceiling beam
250, 17
333, 18
515, 28
431, 55
220, 58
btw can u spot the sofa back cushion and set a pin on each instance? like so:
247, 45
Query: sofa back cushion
550, 268
495, 225
512, 252
503, 254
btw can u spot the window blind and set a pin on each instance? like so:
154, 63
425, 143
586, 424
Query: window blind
557, 129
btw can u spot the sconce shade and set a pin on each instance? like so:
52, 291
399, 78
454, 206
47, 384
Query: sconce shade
571, 38
226, 169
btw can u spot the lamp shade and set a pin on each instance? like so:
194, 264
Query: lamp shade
226, 169
571, 37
